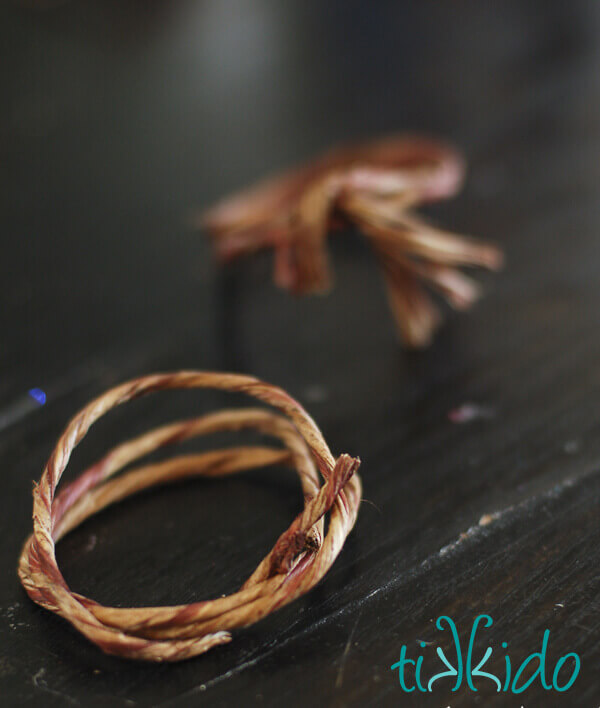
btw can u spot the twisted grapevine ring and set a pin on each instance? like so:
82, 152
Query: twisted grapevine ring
299, 559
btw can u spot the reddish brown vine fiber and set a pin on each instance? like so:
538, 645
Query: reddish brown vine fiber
299, 559
373, 185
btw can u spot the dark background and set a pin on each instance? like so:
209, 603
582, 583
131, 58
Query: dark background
117, 120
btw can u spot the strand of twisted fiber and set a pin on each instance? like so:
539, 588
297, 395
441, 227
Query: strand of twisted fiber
458, 289
399, 184
304, 576
144, 618
240, 617
35, 583
178, 431
78, 427
265, 202
315, 206
237, 619
293, 539
466, 250
215, 463
218, 462
314, 565
72, 517
114, 641
260, 419
311, 223
409, 234
301, 579
415, 313
250, 605
265, 421
413, 152
309, 570
342, 519
341, 522
128, 620
269, 394
251, 615
407, 295
303, 462
143, 477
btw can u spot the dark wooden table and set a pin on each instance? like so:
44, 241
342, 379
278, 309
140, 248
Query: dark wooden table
117, 120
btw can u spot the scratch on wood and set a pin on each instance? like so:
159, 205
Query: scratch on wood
488, 519
340, 677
